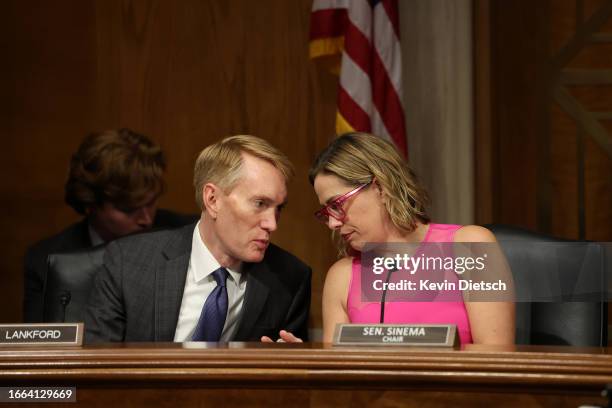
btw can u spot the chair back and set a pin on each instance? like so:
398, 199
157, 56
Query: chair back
575, 323
70, 278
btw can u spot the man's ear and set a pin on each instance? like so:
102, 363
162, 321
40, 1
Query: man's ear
210, 199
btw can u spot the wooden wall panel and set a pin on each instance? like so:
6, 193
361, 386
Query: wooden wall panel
582, 169
45, 112
517, 108
598, 197
564, 179
186, 73
549, 86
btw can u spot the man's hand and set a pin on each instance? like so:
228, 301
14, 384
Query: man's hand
285, 337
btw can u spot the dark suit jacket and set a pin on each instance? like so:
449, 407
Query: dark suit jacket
73, 238
137, 293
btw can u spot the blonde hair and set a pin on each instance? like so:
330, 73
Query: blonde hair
358, 158
220, 163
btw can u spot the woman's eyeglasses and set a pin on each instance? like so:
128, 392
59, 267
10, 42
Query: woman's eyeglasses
334, 208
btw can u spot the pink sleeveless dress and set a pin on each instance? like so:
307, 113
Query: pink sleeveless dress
410, 312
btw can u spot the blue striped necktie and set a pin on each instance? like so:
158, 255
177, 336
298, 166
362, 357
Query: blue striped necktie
214, 311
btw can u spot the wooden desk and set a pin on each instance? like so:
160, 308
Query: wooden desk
313, 375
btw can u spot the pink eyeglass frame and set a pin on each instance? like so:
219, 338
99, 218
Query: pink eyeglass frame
323, 213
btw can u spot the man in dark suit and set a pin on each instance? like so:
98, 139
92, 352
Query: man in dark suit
114, 181
218, 280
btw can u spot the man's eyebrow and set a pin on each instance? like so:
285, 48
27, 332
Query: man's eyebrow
270, 200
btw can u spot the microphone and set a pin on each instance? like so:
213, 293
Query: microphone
384, 295
65, 297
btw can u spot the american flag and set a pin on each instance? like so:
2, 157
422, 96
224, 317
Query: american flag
366, 35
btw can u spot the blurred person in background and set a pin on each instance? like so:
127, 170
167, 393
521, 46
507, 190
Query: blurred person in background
115, 181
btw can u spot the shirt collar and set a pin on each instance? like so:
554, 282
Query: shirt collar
203, 263
94, 237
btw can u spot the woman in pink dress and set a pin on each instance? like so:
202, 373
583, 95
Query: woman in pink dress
369, 195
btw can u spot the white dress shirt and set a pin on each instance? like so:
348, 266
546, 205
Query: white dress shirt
199, 284
94, 237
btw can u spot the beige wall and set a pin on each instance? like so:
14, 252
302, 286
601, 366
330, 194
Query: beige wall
436, 40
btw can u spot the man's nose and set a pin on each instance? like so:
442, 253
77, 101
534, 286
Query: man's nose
270, 221
145, 216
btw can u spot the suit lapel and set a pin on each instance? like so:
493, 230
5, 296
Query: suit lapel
170, 282
255, 298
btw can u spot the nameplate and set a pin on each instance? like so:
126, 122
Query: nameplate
422, 335
41, 334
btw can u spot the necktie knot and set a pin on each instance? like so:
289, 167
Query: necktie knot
220, 276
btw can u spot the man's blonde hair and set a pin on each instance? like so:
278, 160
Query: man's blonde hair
220, 163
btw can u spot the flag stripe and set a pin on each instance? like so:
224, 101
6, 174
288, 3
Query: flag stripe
378, 126
386, 74
356, 83
360, 14
328, 23
393, 15
352, 112
357, 46
329, 4
370, 86
388, 104
387, 46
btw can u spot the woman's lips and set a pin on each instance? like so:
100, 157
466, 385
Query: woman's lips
346, 237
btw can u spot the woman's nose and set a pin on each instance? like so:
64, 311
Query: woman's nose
333, 223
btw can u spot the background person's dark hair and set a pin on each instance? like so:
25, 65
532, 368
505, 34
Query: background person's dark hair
117, 166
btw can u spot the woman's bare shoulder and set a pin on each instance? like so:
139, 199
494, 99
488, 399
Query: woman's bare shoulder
337, 282
474, 233
341, 268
